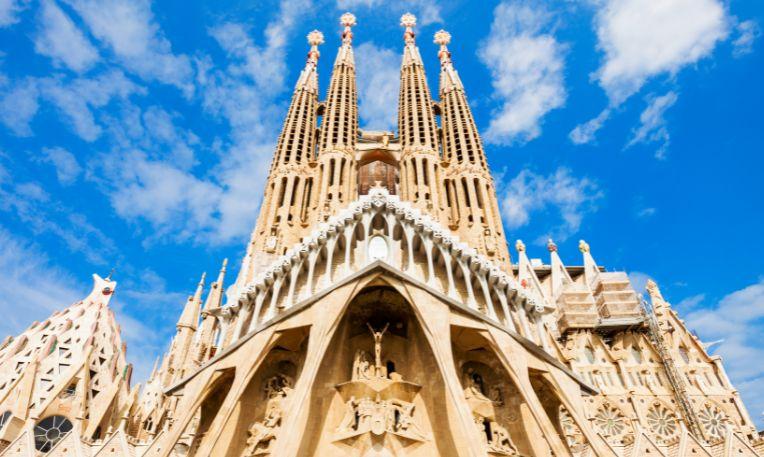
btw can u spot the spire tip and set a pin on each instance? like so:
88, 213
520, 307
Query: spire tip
408, 20
551, 246
442, 37
315, 38
348, 19
583, 246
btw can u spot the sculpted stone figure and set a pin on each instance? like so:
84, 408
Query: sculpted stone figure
500, 441
473, 385
378, 348
262, 433
362, 369
278, 386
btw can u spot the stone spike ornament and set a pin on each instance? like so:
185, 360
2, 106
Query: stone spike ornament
377, 311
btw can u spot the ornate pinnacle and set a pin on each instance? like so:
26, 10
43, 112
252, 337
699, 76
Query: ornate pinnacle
520, 246
408, 21
315, 38
348, 21
443, 38
583, 246
551, 246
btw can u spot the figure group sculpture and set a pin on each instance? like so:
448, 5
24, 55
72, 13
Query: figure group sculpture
378, 413
262, 433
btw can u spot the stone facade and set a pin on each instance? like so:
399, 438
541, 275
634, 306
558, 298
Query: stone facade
377, 312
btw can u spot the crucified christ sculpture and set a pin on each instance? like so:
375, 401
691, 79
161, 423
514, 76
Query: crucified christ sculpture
378, 346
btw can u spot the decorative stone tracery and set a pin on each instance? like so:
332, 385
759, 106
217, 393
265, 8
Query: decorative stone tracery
713, 420
612, 423
662, 422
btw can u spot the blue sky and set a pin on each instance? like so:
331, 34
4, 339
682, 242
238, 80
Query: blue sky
135, 135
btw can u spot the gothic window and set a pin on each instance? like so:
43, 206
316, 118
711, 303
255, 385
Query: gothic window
714, 421
49, 431
662, 421
610, 421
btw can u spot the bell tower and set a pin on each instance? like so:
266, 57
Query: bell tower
471, 204
417, 128
339, 130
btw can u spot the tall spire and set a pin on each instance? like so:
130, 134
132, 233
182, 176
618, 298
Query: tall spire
471, 196
417, 127
339, 129
290, 188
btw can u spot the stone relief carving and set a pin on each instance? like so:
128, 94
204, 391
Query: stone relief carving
262, 433
483, 399
376, 401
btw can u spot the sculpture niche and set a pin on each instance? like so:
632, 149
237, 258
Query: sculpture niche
263, 433
482, 400
377, 402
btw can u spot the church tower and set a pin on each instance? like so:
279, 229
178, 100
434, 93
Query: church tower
472, 208
339, 130
420, 156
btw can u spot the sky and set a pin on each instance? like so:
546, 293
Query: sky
135, 135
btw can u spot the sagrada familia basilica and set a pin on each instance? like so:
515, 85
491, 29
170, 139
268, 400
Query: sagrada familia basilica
378, 312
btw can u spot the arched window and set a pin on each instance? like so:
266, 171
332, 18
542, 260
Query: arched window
49, 431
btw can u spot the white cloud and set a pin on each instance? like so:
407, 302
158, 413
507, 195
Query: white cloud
527, 70
639, 281
24, 268
18, 107
587, 132
66, 165
690, 303
559, 194
378, 86
747, 33
128, 27
9, 10
427, 11
652, 128
644, 213
77, 98
642, 39
169, 198
60, 39
738, 319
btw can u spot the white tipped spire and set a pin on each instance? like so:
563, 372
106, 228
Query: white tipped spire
347, 20
449, 78
315, 39
408, 21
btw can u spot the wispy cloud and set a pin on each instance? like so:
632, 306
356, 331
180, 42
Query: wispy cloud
527, 70
378, 84
747, 34
652, 128
642, 39
24, 267
66, 165
738, 319
60, 39
557, 195
129, 29
427, 11
9, 11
